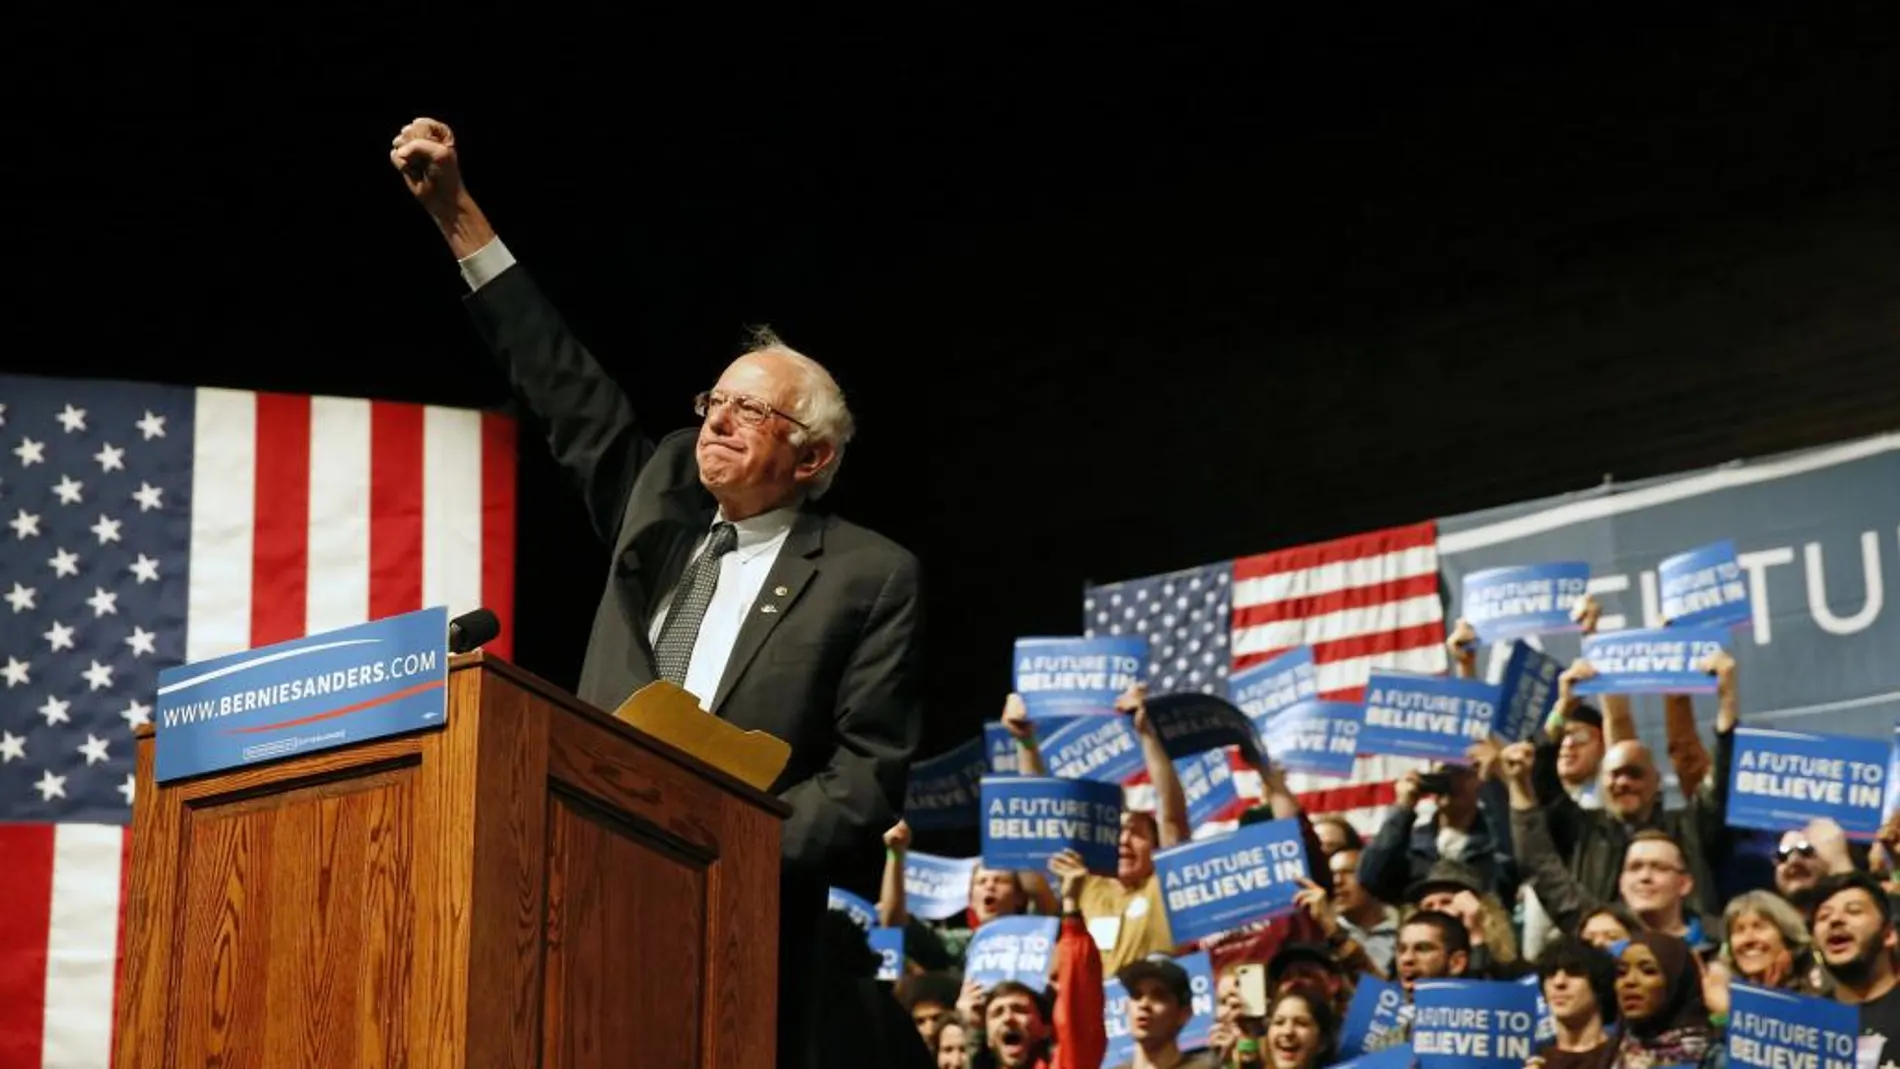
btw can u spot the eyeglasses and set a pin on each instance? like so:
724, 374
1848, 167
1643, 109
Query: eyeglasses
1801, 847
751, 411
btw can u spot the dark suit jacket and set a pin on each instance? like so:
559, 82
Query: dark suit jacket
833, 671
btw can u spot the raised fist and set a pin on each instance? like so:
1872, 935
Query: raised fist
423, 152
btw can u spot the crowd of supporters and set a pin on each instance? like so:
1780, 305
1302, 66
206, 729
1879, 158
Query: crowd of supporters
1559, 857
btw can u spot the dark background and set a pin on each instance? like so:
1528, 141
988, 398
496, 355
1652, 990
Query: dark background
1110, 296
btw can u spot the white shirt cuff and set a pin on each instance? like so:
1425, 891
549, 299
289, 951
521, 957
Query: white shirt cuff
481, 267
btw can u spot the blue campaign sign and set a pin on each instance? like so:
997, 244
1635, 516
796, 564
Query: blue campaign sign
1214, 885
1373, 1012
381, 678
1546, 1024
1077, 676
1002, 747
937, 887
1654, 661
1208, 782
1271, 686
1524, 599
1705, 587
1316, 737
1018, 948
942, 790
1390, 1058
1103, 748
1772, 1029
888, 944
1780, 780
1029, 819
1473, 1024
1194, 1035
1525, 691
1893, 772
1426, 716
1190, 722
862, 913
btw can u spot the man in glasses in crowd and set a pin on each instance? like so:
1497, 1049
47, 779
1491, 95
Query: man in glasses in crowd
725, 580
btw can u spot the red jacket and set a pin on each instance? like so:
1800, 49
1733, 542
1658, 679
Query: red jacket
1080, 1032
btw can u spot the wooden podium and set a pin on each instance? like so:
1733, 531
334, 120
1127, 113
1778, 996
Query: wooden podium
534, 884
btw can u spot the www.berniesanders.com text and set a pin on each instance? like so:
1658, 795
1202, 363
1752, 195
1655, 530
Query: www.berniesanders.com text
294, 690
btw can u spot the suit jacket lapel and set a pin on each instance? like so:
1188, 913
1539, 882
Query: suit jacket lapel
656, 554
791, 572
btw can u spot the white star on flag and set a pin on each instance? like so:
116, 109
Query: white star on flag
136, 713
110, 459
25, 525
73, 419
148, 497
107, 529
30, 452
12, 747
94, 748
151, 426
103, 602
51, 786
60, 637
55, 711
64, 563
16, 673
145, 569
99, 676
141, 641
68, 490
21, 598
126, 788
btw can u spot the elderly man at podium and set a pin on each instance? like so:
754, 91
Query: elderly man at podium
725, 579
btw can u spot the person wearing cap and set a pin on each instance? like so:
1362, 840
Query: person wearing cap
1160, 1005
1452, 888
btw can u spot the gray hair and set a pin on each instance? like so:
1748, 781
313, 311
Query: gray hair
1777, 911
820, 406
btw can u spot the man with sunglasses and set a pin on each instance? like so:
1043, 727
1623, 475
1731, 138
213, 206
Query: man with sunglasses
724, 578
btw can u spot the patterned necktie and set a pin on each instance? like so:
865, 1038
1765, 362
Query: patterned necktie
674, 652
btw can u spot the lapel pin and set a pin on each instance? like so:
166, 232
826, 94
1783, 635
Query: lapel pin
780, 591
768, 608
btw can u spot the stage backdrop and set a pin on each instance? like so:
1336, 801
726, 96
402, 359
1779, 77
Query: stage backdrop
146, 526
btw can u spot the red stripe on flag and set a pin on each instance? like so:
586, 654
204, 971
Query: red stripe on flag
1352, 547
1417, 637
498, 527
395, 509
1340, 799
25, 925
280, 551
1361, 597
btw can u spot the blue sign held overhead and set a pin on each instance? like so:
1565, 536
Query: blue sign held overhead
862, 913
1780, 780
942, 790
888, 943
315, 693
1653, 661
1772, 1029
1207, 781
1101, 748
1029, 819
1321, 738
1372, 1014
1214, 885
1271, 686
937, 887
1525, 690
1019, 948
1077, 676
1705, 587
1426, 716
1525, 599
1473, 1024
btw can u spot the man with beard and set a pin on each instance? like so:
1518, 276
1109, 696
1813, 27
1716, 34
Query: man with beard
1160, 1005
1432, 946
1853, 928
1591, 842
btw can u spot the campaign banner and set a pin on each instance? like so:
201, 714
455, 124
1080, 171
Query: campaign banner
1780, 780
1214, 885
1268, 687
1208, 782
1018, 948
1814, 533
1077, 676
1426, 716
1473, 1024
1524, 599
862, 913
1002, 748
1705, 587
1029, 819
937, 887
1102, 748
1194, 1035
1373, 1013
1316, 737
1399, 1057
1546, 1024
1652, 661
1526, 688
888, 944
942, 790
1773, 1029
1191, 722
384, 677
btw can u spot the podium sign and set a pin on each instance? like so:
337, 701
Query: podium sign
316, 693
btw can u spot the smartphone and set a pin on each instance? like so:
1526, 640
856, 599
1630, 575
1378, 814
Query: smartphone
1434, 783
1252, 979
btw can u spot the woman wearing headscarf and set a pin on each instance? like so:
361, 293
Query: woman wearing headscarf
1659, 998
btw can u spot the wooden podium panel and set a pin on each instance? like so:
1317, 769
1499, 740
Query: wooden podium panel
534, 884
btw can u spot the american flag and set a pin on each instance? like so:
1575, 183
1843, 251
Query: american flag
1362, 602
1185, 617
147, 526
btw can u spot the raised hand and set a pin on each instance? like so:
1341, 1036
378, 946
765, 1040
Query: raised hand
423, 152
1312, 898
1134, 701
898, 838
1016, 717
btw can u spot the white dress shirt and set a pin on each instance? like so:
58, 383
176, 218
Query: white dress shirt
741, 573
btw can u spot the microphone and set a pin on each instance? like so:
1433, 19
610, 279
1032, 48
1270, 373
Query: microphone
472, 629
